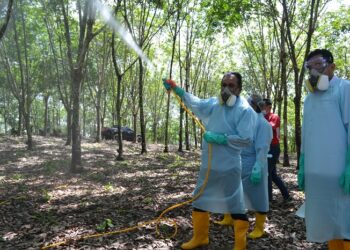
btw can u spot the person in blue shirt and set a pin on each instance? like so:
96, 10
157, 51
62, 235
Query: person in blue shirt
229, 122
324, 164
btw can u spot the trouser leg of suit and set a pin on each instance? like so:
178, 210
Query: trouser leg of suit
273, 176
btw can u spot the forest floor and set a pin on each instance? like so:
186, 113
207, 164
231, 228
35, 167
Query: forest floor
42, 203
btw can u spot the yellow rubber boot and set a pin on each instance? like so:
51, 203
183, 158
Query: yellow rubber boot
200, 236
335, 245
227, 221
259, 226
346, 245
241, 229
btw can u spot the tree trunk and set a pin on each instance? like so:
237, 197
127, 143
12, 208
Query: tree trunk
98, 122
118, 101
180, 129
194, 133
77, 78
166, 148
142, 118
283, 62
46, 114
187, 133
20, 112
119, 120
69, 127
84, 114
181, 122
7, 18
298, 78
285, 128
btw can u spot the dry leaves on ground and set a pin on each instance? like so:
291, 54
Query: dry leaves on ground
42, 203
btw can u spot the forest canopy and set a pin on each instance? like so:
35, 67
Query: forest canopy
68, 70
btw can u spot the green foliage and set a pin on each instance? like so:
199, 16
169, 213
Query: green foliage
50, 168
45, 195
225, 13
46, 217
123, 165
106, 224
177, 162
147, 200
334, 33
163, 156
98, 177
122, 211
108, 187
17, 177
214, 37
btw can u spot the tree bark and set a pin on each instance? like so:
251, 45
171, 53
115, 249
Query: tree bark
142, 118
77, 78
86, 22
7, 18
46, 114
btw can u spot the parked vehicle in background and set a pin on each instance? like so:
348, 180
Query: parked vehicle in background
112, 133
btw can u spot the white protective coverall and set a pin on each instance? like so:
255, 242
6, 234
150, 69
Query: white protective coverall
256, 195
325, 138
223, 192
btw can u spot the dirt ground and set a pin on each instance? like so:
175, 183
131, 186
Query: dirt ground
42, 203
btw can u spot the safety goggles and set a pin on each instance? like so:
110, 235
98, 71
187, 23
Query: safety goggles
318, 64
229, 85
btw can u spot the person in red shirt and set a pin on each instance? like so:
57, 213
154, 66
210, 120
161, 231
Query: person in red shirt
275, 150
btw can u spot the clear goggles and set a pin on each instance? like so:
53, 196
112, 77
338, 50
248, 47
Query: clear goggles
318, 64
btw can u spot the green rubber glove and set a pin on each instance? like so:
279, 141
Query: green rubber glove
170, 84
179, 91
255, 176
212, 137
301, 177
166, 85
345, 178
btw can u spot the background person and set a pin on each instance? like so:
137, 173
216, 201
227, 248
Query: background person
275, 151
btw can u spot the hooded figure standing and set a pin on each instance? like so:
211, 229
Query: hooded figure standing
324, 164
229, 121
255, 170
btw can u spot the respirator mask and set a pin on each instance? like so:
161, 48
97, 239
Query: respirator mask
317, 80
226, 97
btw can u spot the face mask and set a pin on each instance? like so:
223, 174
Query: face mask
317, 81
227, 97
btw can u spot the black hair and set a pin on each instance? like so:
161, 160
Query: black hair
326, 54
237, 75
267, 101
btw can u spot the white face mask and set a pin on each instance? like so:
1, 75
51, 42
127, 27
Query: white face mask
231, 100
317, 81
227, 97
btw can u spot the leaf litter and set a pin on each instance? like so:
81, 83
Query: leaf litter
42, 203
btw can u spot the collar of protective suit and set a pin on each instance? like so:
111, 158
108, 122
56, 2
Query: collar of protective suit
333, 80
